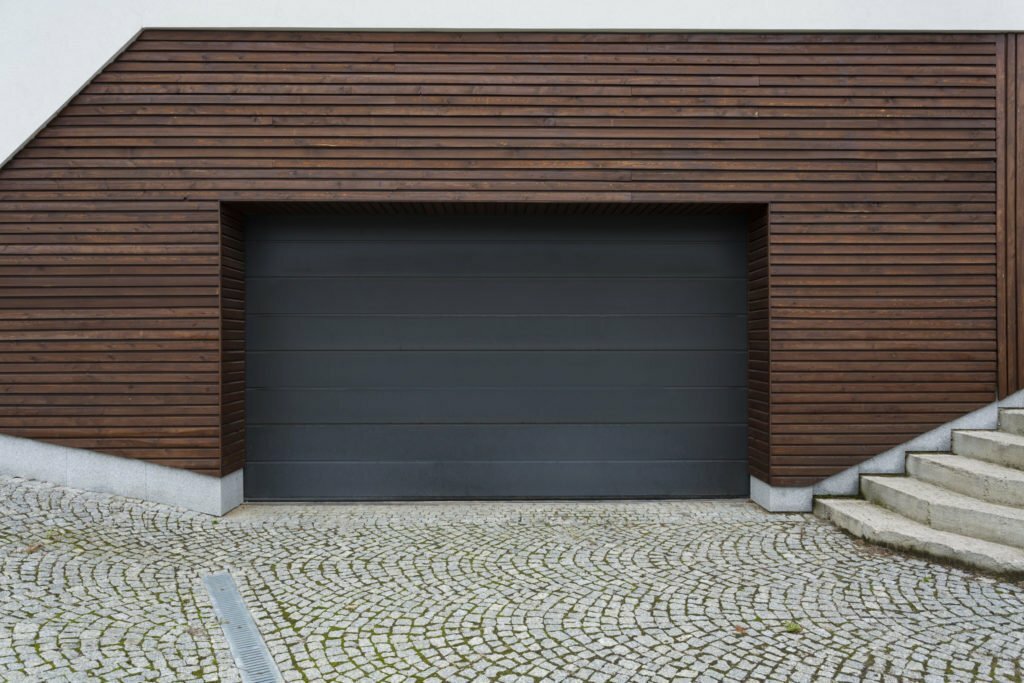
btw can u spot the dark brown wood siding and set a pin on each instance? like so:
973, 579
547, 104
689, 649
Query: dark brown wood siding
758, 347
1010, 210
232, 339
883, 157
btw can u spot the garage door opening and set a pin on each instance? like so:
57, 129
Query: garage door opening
563, 352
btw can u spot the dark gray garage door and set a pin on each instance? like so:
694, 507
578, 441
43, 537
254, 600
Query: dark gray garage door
476, 356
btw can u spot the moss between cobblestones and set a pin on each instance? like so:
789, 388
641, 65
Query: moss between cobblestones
638, 591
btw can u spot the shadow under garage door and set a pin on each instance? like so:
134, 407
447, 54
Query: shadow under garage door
567, 355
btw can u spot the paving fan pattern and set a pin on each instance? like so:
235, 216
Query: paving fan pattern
100, 587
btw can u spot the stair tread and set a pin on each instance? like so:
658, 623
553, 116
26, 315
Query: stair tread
1002, 448
981, 479
937, 495
878, 524
1011, 420
993, 435
974, 466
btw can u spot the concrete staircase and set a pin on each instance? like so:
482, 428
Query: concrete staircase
966, 506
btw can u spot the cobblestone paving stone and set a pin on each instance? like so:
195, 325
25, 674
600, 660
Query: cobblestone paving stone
95, 587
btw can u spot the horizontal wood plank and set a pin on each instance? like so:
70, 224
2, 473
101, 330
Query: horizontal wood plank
880, 288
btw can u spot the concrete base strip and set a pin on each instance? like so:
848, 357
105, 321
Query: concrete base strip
251, 655
90, 471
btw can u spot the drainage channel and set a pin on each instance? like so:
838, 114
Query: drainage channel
247, 647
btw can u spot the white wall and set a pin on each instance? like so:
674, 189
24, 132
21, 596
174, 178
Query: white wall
50, 48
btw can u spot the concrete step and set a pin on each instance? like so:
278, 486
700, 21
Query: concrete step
878, 525
946, 510
1011, 420
976, 478
1000, 448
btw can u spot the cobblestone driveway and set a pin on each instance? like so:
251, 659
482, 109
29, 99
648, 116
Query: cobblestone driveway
95, 587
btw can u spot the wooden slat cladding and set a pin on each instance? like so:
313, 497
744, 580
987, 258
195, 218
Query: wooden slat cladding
877, 153
1014, 153
758, 346
1010, 212
232, 340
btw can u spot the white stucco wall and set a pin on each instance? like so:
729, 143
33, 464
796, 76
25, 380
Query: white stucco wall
50, 48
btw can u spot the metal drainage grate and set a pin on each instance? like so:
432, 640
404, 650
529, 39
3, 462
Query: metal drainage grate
250, 652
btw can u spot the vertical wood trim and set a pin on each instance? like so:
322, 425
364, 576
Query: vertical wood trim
1002, 264
1016, 153
1012, 227
768, 326
1010, 212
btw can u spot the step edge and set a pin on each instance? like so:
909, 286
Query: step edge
992, 434
888, 480
988, 556
964, 463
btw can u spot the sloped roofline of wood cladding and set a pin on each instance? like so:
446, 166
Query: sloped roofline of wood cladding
889, 160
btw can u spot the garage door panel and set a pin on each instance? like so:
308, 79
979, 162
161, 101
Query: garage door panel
543, 226
495, 259
519, 332
465, 356
499, 295
362, 369
697, 441
499, 405
482, 480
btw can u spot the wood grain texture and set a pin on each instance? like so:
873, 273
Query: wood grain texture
886, 160
232, 339
758, 345
1014, 153
1010, 211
